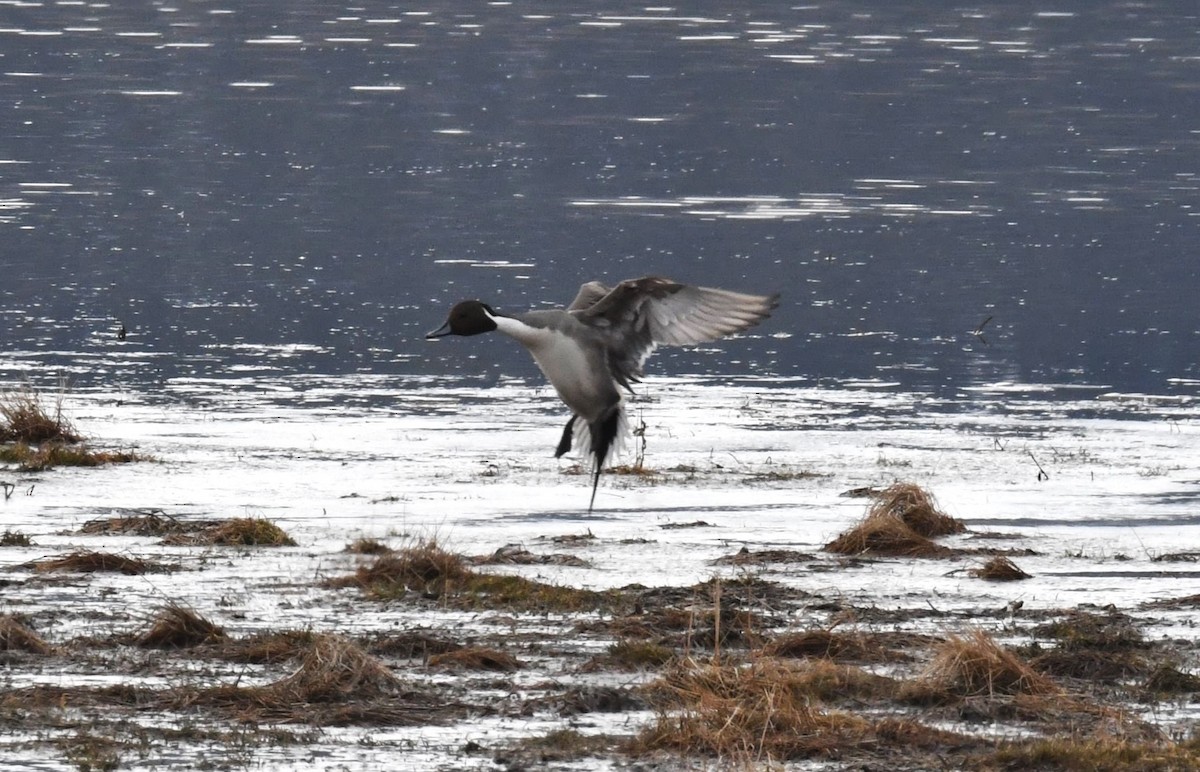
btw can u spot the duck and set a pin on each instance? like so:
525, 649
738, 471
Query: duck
593, 350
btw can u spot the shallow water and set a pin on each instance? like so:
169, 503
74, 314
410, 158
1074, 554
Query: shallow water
306, 188
363, 457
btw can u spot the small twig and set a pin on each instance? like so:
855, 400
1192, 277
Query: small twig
8, 489
1042, 475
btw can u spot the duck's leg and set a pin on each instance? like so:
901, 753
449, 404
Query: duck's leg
603, 433
564, 445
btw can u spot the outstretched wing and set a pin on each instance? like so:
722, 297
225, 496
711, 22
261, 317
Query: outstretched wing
588, 295
639, 315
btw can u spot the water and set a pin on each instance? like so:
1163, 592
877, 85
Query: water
982, 221
305, 187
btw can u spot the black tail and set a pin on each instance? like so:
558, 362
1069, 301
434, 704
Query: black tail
603, 434
564, 445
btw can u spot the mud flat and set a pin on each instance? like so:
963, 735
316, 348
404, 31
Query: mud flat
343, 573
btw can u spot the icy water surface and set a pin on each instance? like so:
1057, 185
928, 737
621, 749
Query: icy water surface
1095, 496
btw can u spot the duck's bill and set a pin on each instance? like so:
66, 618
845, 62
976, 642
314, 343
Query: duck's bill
440, 332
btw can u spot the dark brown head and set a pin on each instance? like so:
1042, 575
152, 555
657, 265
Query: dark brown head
470, 317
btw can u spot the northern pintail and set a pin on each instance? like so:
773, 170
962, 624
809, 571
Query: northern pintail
597, 345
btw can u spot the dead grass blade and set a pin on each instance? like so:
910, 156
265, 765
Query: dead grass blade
15, 635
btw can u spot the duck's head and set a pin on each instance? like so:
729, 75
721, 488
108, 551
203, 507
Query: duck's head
470, 317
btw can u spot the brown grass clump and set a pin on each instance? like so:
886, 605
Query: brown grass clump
15, 539
743, 714
976, 666
999, 569
476, 658
264, 648
515, 554
424, 567
900, 522
1094, 754
87, 561
336, 683
1098, 647
882, 534
154, 522
433, 573
25, 419
368, 547
763, 711
333, 669
747, 557
237, 532
631, 656
825, 644
16, 636
1080, 630
177, 627
916, 508
1167, 679
52, 453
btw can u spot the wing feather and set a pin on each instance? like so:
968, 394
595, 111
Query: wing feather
641, 314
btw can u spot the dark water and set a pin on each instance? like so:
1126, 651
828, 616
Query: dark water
304, 186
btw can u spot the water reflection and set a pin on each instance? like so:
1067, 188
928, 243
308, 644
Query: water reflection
327, 176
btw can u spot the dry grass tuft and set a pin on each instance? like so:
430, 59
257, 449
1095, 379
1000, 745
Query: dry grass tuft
15, 539
747, 557
1094, 754
16, 636
766, 710
237, 532
368, 547
433, 573
826, 644
476, 658
52, 453
1166, 679
916, 508
515, 554
177, 627
264, 648
152, 522
332, 669
337, 683
25, 419
1099, 647
1080, 630
424, 568
87, 561
900, 522
631, 656
999, 569
882, 534
975, 666
743, 714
